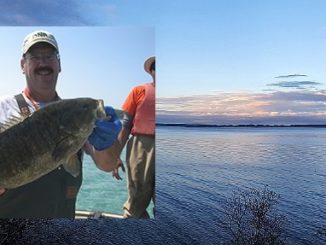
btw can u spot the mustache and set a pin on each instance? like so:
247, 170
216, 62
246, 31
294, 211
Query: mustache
46, 68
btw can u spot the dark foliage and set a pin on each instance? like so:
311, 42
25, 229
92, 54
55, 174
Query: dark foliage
251, 218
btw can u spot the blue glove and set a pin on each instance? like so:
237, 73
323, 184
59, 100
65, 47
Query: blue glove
106, 131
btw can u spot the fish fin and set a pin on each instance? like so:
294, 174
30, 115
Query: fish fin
72, 165
58, 153
12, 121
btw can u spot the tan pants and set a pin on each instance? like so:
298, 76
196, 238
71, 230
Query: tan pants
141, 176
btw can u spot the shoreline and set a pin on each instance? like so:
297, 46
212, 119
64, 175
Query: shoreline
241, 125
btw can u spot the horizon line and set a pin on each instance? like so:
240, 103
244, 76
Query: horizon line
239, 125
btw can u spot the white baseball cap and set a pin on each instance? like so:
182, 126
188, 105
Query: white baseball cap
37, 37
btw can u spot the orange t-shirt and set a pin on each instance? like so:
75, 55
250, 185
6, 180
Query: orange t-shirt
135, 98
140, 104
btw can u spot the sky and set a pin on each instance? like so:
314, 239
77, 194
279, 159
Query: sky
219, 62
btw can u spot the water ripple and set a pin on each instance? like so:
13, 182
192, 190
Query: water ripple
198, 169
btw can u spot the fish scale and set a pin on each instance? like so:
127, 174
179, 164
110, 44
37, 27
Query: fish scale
48, 138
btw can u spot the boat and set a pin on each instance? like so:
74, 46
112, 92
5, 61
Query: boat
80, 214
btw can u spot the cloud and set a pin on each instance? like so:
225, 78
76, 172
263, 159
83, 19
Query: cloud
297, 96
291, 76
245, 107
59, 12
295, 84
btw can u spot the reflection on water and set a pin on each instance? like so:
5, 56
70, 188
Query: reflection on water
198, 168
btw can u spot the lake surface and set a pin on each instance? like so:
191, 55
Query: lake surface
101, 192
197, 169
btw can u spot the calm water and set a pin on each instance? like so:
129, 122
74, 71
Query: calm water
101, 192
198, 168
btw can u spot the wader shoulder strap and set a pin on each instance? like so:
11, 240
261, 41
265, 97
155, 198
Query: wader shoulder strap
23, 106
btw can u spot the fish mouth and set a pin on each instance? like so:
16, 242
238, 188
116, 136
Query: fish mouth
100, 112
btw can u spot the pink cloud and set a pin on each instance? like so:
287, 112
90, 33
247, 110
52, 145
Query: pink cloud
239, 105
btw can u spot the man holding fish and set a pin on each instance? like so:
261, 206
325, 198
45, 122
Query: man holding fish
43, 138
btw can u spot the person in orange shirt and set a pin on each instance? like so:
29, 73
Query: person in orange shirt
139, 121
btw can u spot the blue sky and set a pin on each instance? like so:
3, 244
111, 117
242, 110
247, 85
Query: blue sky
226, 61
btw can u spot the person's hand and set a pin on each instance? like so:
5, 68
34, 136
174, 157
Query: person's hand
2, 190
115, 172
106, 131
